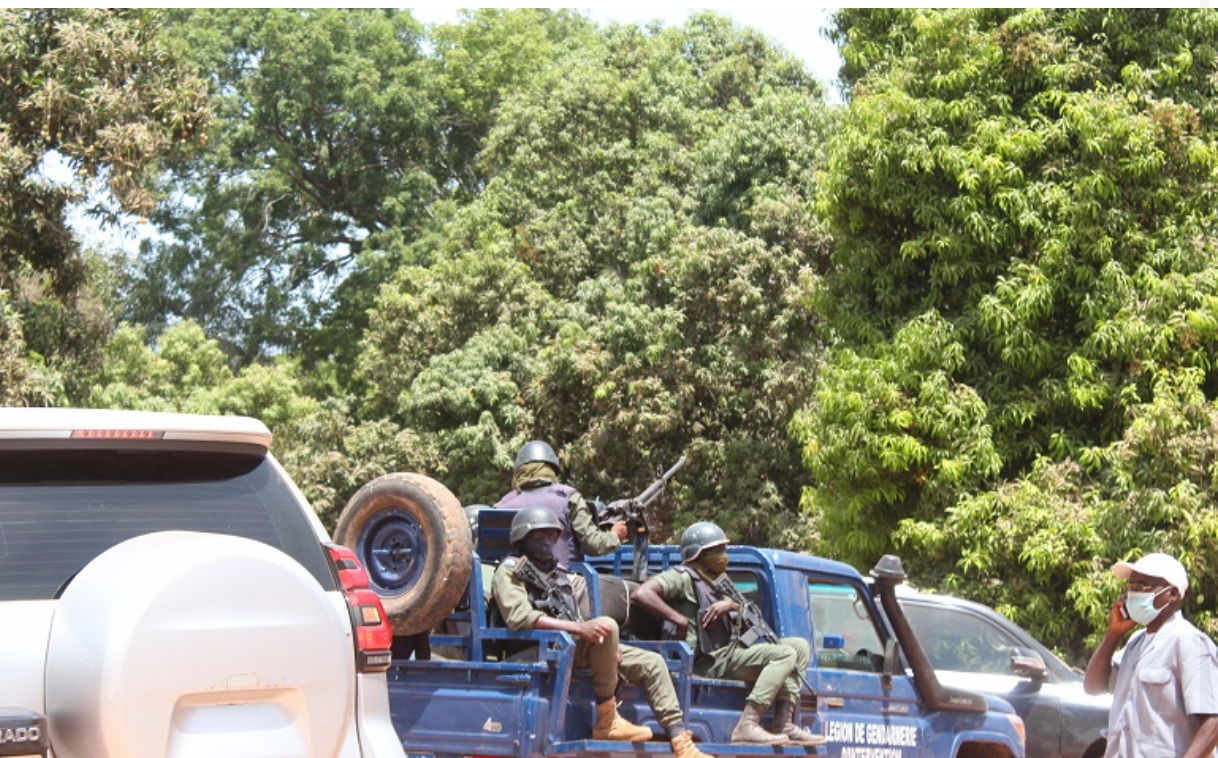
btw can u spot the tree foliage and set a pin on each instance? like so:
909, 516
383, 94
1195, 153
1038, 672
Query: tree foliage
24, 379
1042, 182
633, 282
892, 436
100, 91
99, 88
338, 143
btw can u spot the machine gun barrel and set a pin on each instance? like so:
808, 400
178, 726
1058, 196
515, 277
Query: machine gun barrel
638, 520
653, 491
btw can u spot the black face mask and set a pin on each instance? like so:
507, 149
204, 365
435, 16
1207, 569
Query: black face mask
539, 549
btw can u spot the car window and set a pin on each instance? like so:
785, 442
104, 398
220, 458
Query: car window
61, 509
843, 630
959, 641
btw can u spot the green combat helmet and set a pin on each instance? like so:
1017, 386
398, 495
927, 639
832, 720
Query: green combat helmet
532, 519
699, 537
538, 451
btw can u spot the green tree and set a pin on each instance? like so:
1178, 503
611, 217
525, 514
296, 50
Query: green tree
24, 379
99, 90
891, 437
1043, 182
321, 141
343, 139
635, 281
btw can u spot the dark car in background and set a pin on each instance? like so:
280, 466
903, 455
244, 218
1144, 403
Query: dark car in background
976, 648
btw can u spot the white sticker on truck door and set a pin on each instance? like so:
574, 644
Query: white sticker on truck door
872, 740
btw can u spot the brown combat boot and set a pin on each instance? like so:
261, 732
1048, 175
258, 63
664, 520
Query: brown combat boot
683, 747
748, 729
785, 725
611, 726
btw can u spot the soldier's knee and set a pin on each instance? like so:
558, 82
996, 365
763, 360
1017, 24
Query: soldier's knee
654, 662
798, 644
616, 633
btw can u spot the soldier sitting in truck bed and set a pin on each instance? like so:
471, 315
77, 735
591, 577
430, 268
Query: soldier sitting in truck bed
687, 601
533, 592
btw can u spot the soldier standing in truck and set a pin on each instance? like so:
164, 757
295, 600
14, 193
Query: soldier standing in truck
535, 482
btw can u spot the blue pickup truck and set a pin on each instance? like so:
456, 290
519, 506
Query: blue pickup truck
518, 695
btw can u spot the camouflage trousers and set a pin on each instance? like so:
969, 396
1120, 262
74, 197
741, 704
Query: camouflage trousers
773, 668
640, 667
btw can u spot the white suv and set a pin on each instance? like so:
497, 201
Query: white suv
166, 591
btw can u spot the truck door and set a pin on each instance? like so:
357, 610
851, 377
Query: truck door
861, 714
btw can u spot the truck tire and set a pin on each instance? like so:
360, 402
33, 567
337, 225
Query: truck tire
184, 643
412, 536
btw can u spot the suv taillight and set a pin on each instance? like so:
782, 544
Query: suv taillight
373, 634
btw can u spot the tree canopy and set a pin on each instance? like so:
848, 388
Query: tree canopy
1036, 188
102, 92
631, 283
969, 316
338, 140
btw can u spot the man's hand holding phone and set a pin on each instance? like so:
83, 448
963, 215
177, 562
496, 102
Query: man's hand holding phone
1118, 619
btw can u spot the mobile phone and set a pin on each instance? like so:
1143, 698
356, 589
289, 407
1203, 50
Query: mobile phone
1121, 606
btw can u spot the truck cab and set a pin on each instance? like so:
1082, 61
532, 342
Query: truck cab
868, 702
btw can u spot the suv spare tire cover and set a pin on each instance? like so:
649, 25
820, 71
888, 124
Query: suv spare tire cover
189, 644
411, 534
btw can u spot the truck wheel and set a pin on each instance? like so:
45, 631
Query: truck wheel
412, 536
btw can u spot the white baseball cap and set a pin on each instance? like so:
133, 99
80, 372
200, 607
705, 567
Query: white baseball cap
1159, 565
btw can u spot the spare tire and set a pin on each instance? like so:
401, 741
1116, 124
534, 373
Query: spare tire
412, 536
182, 643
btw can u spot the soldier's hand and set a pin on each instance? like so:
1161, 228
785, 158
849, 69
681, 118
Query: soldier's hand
682, 628
594, 632
716, 612
620, 530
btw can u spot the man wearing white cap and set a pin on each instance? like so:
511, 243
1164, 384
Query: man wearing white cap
1164, 683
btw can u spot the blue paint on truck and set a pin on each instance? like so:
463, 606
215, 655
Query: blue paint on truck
867, 701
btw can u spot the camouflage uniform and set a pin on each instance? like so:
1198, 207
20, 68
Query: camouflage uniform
641, 667
773, 668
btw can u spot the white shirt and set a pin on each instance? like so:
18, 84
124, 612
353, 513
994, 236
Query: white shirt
1166, 683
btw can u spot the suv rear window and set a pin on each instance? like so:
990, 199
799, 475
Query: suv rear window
60, 509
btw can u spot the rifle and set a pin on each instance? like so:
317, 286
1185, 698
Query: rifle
750, 627
552, 604
633, 512
554, 599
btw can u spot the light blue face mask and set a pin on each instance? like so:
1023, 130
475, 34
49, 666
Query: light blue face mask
1141, 606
